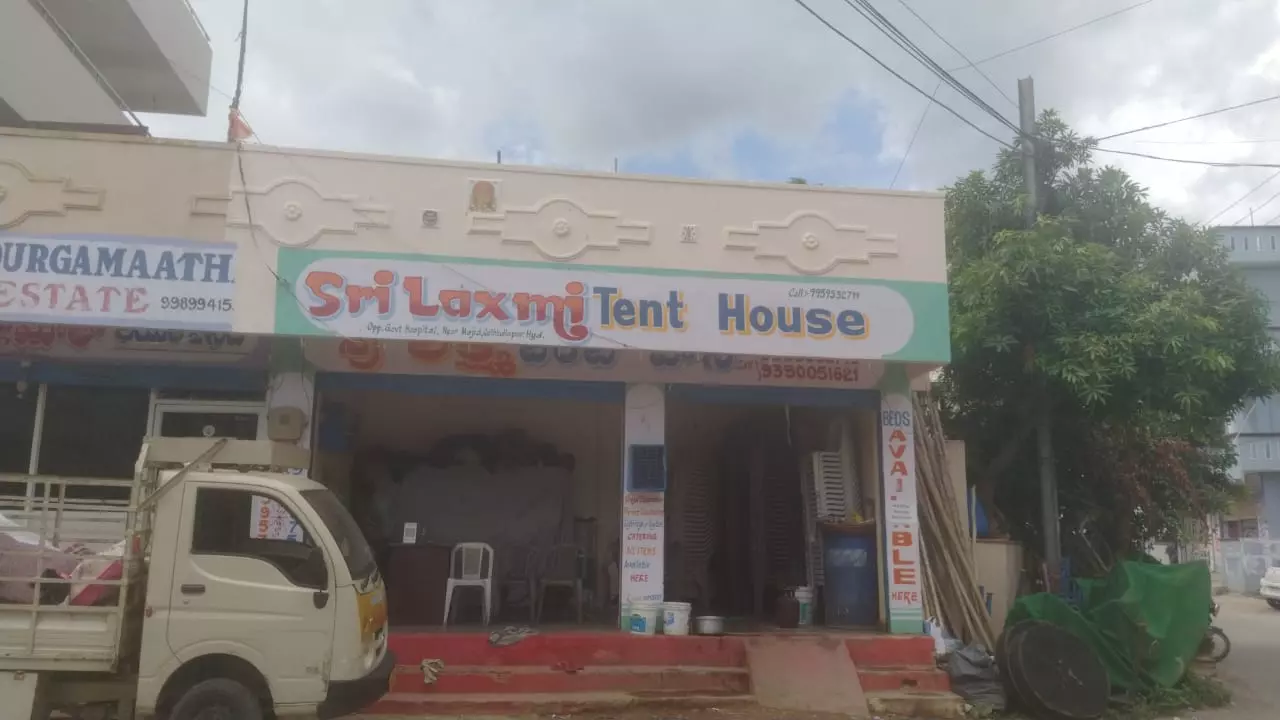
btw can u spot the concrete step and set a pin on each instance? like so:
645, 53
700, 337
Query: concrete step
905, 678
916, 704
873, 651
453, 704
458, 679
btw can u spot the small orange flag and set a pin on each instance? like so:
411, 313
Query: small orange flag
237, 129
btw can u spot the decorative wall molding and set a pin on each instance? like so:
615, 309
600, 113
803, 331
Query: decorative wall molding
561, 229
23, 194
812, 243
293, 212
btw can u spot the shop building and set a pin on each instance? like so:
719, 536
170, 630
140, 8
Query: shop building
653, 377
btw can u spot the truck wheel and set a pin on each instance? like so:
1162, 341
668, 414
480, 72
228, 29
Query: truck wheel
217, 699
1275, 604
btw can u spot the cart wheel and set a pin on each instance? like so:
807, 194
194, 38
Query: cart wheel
1216, 646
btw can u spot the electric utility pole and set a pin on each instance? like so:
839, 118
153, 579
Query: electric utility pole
1044, 414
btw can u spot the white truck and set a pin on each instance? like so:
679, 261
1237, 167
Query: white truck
211, 585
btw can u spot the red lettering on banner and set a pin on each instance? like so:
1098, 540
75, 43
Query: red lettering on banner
416, 288
898, 436
899, 468
135, 300
492, 305
317, 284
904, 576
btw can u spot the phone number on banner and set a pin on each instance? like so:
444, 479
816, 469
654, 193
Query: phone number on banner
195, 304
788, 369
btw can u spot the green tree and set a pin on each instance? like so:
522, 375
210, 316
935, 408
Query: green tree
1127, 324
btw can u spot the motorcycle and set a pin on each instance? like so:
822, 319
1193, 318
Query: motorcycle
1216, 645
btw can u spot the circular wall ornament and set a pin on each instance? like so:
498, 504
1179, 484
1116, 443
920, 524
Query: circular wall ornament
561, 227
292, 211
810, 241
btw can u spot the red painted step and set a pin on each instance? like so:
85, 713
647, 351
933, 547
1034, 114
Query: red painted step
523, 704
569, 650
874, 651
635, 679
907, 678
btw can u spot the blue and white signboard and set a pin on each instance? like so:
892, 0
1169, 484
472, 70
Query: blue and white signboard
117, 280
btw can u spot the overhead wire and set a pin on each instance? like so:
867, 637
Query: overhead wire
895, 73
1053, 36
957, 51
1241, 199
975, 63
1256, 141
1256, 208
915, 134
1197, 116
877, 19
1188, 161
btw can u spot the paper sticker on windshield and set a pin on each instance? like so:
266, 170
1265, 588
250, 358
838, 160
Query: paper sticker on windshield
270, 521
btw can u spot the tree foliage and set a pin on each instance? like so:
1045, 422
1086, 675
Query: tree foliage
1127, 324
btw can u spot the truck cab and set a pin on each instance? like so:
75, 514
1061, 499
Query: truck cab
252, 592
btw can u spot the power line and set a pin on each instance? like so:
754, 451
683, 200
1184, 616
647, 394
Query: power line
957, 50
1256, 141
915, 134
1197, 116
1187, 161
1055, 35
1240, 199
895, 73
1256, 208
877, 19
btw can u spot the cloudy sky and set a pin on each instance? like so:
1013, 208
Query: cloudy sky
752, 89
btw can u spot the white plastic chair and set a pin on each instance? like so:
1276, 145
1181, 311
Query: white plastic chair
470, 565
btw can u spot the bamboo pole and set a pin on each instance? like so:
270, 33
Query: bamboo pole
950, 563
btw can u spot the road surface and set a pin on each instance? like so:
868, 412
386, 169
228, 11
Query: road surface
1252, 671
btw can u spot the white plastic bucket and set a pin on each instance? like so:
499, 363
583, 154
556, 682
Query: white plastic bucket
804, 597
645, 617
675, 618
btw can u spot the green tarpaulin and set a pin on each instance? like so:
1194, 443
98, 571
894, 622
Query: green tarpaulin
1145, 621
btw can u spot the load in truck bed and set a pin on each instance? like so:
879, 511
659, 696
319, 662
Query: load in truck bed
64, 551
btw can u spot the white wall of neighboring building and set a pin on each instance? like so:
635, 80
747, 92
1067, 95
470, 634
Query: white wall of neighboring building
41, 79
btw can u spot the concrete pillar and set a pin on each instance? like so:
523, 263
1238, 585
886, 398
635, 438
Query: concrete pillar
291, 384
901, 542
643, 533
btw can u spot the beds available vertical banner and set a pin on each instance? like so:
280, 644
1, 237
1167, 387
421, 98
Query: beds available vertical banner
643, 541
902, 518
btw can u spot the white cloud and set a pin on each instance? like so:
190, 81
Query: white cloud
580, 82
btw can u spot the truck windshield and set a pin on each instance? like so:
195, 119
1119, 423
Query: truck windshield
345, 531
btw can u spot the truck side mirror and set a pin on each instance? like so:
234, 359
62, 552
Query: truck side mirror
320, 598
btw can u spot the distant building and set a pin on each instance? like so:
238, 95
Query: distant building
1256, 251
77, 65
